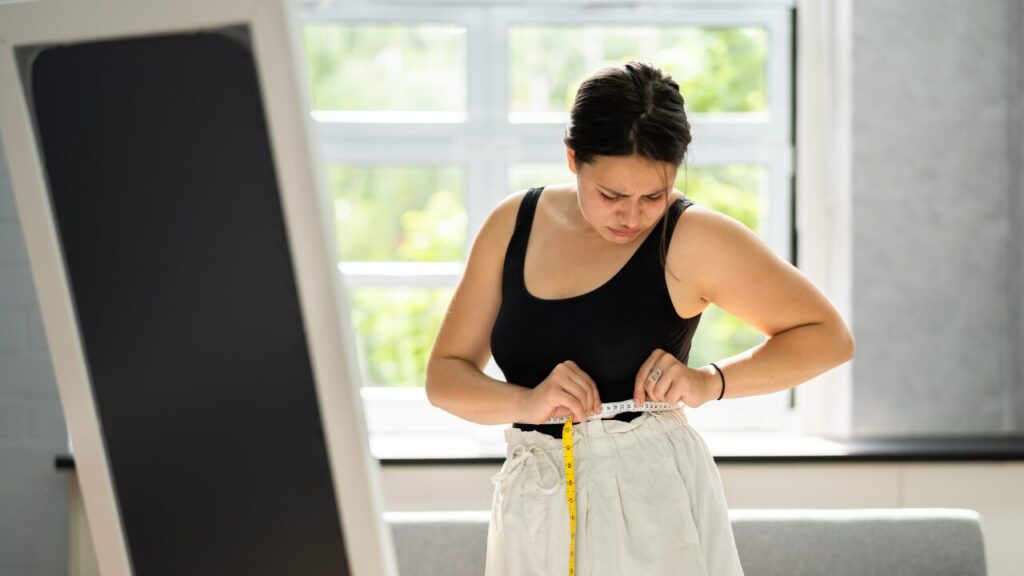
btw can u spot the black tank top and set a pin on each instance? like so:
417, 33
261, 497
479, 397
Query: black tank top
608, 332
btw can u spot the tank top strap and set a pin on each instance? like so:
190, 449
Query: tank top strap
675, 211
515, 254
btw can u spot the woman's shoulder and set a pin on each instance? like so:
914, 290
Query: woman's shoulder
555, 198
504, 214
495, 233
703, 236
696, 226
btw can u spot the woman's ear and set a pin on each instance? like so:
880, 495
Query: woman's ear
570, 155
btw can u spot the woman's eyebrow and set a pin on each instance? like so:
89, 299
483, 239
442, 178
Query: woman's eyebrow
607, 189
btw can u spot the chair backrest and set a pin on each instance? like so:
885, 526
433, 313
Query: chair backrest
860, 542
790, 542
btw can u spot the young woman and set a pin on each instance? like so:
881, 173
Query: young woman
588, 293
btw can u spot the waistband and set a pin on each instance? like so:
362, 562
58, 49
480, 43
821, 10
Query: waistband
555, 430
590, 439
600, 433
595, 437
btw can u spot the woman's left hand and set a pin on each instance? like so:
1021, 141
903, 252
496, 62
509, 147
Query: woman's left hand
676, 382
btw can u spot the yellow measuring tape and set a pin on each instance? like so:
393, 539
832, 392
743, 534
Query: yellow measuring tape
570, 492
607, 410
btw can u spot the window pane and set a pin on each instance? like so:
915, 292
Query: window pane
395, 329
739, 190
386, 67
717, 69
399, 213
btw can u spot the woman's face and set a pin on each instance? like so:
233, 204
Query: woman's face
622, 193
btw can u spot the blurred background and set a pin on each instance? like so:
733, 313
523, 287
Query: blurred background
875, 144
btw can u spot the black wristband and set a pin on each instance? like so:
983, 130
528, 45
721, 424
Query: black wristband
722, 376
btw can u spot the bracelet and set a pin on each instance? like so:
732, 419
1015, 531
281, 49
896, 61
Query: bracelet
722, 376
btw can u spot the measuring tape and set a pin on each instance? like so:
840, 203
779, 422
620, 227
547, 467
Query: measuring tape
609, 409
613, 408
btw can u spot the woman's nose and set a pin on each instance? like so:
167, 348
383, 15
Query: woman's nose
631, 217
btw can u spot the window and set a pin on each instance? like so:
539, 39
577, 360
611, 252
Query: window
429, 114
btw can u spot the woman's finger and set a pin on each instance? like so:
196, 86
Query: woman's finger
573, 403
669, 377
575, 386
595, 395
642, 376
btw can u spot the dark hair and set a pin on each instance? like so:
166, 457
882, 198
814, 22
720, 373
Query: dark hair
626, 110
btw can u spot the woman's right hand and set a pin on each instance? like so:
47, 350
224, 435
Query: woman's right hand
568, 390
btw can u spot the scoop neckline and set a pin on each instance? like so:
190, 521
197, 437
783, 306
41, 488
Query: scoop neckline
522, 270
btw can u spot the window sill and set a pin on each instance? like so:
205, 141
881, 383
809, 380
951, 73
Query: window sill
762, 447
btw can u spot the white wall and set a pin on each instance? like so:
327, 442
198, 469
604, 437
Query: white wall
33, 495
936, 215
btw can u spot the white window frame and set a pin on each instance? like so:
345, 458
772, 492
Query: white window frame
823, 192
485, 143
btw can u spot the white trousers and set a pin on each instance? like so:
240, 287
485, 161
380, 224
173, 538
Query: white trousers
649, 502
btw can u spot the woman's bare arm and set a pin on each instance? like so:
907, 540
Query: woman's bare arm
456, 382
457, 386
735, 270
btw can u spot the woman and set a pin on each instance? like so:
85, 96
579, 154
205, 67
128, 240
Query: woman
602, 309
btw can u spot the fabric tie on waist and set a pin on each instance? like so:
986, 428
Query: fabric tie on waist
517, 459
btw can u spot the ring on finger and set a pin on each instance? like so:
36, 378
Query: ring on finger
654, 375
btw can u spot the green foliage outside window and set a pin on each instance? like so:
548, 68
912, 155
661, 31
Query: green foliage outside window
399, 213
386, 67
717, 69
395, 330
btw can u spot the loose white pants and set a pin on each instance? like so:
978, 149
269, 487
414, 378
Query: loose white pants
649, 502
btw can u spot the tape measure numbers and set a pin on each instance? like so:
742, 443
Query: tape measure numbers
607, 410
612, 408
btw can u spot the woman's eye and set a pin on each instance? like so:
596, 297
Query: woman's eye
614, 198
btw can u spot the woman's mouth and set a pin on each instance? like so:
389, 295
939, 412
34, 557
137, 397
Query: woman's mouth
625, 232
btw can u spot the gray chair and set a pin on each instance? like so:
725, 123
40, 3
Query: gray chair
785, 542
